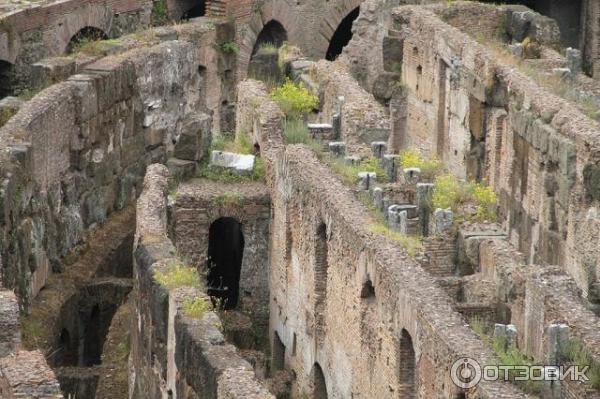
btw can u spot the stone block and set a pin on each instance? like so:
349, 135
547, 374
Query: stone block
377, 196
366, 180
352, 160
411, 175
337, 148
237, 162
336, 123
443, 219
397, 219
379, 148
390, 163
574, 60
323, 131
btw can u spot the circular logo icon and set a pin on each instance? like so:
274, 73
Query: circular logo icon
466, 373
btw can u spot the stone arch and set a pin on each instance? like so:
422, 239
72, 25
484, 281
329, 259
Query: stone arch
86, 33
333, 18
94, 16
225, 253
342, 35
319, 385
273, 32
407, 372
320, 280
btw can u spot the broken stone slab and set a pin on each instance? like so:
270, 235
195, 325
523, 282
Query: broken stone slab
397, 219
574, 61
424, 192
337, 148
352, 160
366, 180
411, 210
518, 50
506, 333
390, 163
558, 337
411, 175
239, 163
377, 196
442, 220
320, 130
378, 148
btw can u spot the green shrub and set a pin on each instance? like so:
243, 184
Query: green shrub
412, 244
430, 167
510, 355
449, 192
239, 144
296, 132
349, 172
178, 275
229, 48
160, 13
575, 352
485, 199
446, 192
294, 99
196, 307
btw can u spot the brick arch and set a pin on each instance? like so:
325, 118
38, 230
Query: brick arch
336, 14
90, 16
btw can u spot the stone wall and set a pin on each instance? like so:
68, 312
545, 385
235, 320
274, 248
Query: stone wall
487, 120
322, 255
173, 354
78, 150
30, 34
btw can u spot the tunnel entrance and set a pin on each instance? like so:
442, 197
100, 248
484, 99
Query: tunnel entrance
273, 33
225, 252
199, 10
319, 384
6, 79
342, 36
85, 35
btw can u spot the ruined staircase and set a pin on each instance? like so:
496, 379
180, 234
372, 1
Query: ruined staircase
216, 8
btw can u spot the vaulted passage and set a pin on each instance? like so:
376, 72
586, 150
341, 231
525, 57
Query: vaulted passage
199, 10
342, 36
85, 35
319, 385
407, 386
272, 33
225, 252
6, 79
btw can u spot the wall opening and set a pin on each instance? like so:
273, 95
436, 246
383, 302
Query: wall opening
6, 79
199, 10
67, 355
319, 385
367, 291
225, 252
95, 329
273, 33
85, 35
278, 353
342, 35
443, 114
321, 266
407, 386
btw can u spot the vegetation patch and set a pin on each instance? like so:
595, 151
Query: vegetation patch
575, 352
160, 13
228, 199
430, 167
349, 172
294, 99
412, 244
93, 46
196, 307
449, 192
178, 275
229, 47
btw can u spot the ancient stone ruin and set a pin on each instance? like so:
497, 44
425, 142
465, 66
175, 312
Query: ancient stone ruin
273, 199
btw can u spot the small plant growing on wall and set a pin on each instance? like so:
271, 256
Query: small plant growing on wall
229, 48
196, 307
160, 13
178, 275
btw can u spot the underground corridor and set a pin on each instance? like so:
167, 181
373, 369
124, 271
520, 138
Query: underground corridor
225, 253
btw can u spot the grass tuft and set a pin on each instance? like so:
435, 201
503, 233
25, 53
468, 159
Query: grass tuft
178, 275
412, 244
196, 307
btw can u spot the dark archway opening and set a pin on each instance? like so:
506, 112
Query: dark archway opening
407, 386
367, 291
278, 353
225, 253
319, 385
342, 35
67, 355
85, 35
7, 71
199, 10
273, 33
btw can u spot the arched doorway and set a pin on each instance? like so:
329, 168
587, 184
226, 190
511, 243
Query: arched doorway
6, 79
272, 33
85, 35
198, 10
407, 385
319, 384
342, 35
225, 253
